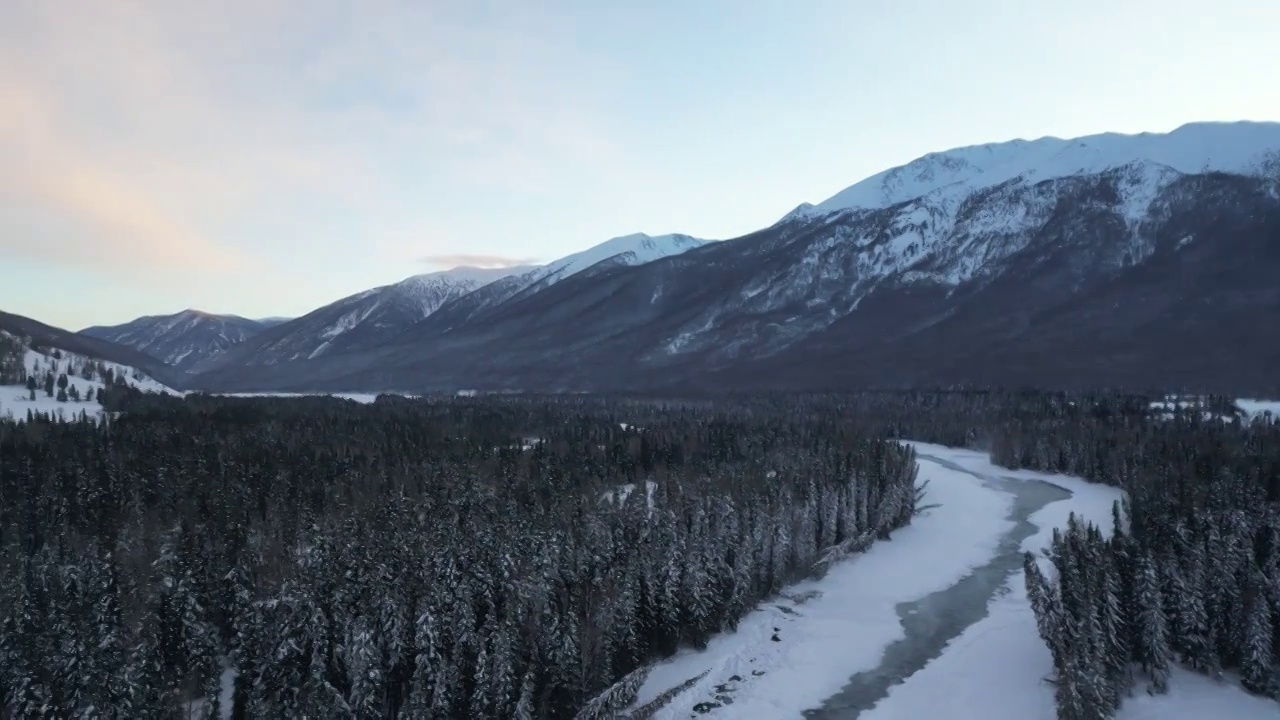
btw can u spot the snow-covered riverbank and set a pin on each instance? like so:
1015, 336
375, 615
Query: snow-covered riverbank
796, 657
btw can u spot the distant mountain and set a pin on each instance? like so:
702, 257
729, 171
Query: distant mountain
378, 317
361, 320
47, 338
627, 250
272, 321
1103, 260
183, 339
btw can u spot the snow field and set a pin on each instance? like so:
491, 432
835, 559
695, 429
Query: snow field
15, 400
1255, 408
364, 398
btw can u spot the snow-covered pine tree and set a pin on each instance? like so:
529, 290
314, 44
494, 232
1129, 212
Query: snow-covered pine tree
1152, 650
1258, 671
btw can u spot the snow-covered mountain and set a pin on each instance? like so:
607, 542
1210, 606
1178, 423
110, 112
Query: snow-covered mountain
271, 321
368, 317
953, 217
1242, 148
45, 355
379, 316
627, 250
1108, 259
634, 249
182, 339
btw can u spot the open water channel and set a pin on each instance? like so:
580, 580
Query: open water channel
935, 620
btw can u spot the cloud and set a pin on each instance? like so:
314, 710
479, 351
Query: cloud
176, 134
112, 221
482, 261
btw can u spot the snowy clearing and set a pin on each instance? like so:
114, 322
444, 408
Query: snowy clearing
15, 400
1255, 408
365, 398
836, 630
1195, 697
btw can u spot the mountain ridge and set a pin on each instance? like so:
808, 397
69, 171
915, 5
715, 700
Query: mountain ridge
377, 316
90, 347
181, 339
903, 277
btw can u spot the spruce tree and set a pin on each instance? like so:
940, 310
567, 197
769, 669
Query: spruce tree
1258, 672
1153, 640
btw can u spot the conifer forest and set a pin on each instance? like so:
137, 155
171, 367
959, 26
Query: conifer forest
529, 557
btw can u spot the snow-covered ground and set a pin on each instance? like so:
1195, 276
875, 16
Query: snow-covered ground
15, 400
795, 654
830, 629
1173, 404
365, 398
1249, 408
1255, 408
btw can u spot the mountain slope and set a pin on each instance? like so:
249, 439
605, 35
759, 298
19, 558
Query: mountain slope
627, 250
1189, 315
360, 320
47, 336
1195, 148
183, 339
989, 264
378, 317
75, 397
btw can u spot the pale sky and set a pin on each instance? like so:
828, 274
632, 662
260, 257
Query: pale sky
266, 157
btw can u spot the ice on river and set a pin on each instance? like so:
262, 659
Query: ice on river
830, 629
837, 630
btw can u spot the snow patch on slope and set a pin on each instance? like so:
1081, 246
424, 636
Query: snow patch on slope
1254, 409
954, 217
15, 400
177, 338
417, 296
432, 290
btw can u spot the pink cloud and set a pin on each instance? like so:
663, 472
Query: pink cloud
154, 125
120, 223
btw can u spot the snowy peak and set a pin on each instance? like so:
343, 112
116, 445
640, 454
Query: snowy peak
1087, 207
1244, 148
463, 275
365, 318
634, 249
182, 339
624, 251
429, 287
272, 321
428, 292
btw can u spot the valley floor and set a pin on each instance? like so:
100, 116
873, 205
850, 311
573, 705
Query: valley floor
933, 623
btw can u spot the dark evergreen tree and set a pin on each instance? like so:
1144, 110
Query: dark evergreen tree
427, 559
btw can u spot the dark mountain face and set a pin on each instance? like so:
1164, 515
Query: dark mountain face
1060, 282
184, 339
1110, 260
366, 319
53, 337
1069, 311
